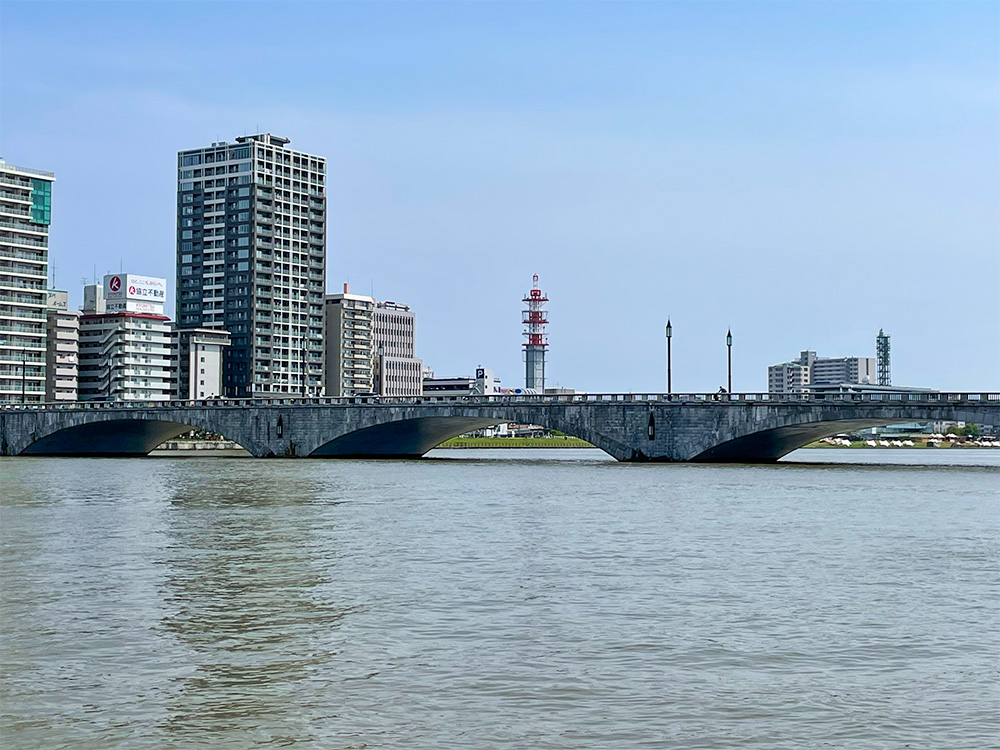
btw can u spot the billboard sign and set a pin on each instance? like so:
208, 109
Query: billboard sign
127, 286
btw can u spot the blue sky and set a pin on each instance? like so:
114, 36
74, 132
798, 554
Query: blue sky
806, 173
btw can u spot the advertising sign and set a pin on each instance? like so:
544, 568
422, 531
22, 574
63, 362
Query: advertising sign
127, 286
128, 305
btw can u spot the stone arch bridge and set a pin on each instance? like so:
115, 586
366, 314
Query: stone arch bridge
630, 427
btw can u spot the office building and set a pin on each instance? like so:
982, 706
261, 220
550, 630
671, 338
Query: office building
397, 368
199, 361
370, 347
251, 260
25, 214
798, 375
62, 347
126, 342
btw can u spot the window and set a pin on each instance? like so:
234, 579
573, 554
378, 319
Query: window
190, 160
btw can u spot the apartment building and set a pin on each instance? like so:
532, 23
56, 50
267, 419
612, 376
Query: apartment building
799, 374
200, 361
62, 347
127, 346
370, 347
25, 215
251, 260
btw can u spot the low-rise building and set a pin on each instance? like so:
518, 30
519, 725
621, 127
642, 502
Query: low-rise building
62, 348
484, 384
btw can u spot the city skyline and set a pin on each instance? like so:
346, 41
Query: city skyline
819, 216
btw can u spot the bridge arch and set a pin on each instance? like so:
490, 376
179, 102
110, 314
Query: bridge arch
774, 435
114, 433
410, 435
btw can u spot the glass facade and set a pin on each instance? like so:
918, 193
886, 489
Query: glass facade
41, 201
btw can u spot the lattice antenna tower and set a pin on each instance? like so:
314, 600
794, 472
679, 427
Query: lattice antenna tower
882, 358
535, 319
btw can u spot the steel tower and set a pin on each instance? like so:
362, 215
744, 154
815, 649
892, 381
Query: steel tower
535, 318
882, 358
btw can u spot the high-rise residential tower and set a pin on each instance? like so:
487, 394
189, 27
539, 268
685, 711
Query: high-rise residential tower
25, 213
251, 259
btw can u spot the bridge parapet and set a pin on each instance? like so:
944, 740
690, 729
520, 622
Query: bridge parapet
902, 397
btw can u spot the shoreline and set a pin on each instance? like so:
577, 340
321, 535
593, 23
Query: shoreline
227, 448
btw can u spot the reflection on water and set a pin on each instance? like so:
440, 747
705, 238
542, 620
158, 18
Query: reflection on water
245, 593
489, 598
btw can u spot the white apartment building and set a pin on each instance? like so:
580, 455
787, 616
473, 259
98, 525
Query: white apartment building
370, 347
251, 260
796, 376
62, 347
25, 214
199, 361
127, 347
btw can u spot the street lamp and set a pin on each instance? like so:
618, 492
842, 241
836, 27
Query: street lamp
670, 333
729, 347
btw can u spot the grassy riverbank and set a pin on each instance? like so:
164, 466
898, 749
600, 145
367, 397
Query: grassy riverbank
512, 442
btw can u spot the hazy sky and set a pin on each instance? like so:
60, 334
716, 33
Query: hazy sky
803, 172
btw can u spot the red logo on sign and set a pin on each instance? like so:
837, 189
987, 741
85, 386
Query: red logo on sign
115, 284
131, 290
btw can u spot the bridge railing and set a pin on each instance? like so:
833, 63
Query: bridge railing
762, 399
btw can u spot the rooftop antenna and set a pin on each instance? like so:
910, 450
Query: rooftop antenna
53, 265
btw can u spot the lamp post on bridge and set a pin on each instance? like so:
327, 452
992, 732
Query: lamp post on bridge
729, 348
670, 333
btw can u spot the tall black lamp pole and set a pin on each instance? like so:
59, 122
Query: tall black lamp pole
670, 333
729, 347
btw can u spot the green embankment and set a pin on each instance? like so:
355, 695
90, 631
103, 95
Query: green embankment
512, 442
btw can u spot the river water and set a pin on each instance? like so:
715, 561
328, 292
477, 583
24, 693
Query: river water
515, 599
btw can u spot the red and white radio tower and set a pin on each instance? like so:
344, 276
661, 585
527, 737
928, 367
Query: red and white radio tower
535, 320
